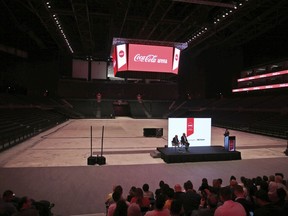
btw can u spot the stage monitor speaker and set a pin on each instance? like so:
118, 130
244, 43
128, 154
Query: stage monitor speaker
92, 160
159, 132
153, 132
101, 160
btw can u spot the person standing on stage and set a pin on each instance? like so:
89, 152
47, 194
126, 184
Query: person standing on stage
184, 141
226, 133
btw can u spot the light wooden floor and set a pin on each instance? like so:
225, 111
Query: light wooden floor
53, 165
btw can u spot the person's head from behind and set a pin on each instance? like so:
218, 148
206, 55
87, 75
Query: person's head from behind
160, 202
139, 193
161, 183
134, 210
262, 197
132, 191
177, 188
116, 196
145, 187
225, 194
170, 193
212, 200
119, 189
238, 191
220, 181
188, 185
278, 179
8, 196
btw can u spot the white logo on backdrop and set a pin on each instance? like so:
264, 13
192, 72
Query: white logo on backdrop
149, 59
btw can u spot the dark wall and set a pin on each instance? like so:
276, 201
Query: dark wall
210, 73
37, 73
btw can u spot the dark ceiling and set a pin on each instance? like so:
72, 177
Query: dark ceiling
89, 26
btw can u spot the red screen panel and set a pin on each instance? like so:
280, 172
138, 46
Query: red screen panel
150, 58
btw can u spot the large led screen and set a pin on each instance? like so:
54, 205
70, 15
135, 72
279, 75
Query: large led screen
131, 60
197, 130
150, 58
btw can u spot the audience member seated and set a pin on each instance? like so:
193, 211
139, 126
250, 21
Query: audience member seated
26, 208
213, 200
178, 192
134, 210
121, 208
176, 208
142, 201
264, 207
241, 198
131, 194
158, 191
159, 210
7, 206
207, 206
216, 185
109, 200
169, 198
147, 192
190, 199
229, 207
117, 195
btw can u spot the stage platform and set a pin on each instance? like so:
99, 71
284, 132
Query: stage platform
197, 154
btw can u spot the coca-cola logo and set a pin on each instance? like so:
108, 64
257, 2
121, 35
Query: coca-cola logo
145, 58
176, 57
121, 53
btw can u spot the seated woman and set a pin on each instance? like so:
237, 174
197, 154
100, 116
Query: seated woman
142, 201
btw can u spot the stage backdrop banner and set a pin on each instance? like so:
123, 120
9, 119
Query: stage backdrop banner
197, 130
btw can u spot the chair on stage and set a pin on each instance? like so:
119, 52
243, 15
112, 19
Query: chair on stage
175, 144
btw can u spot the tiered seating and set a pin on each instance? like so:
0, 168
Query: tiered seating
157, 109
21, 123
106, 109
88, 108
276, 125
265, 115
137, 110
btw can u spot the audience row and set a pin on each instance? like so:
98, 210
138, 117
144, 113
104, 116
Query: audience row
10, 205
259, 196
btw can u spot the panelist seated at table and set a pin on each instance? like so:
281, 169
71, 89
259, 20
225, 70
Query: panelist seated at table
184, 141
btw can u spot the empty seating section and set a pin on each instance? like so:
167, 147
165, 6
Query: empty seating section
19, 124
87, 107
157, 109
107, 109
266, 115
137, 110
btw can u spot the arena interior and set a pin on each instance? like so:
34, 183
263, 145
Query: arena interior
61, 101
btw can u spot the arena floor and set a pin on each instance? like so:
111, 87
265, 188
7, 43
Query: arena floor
53, 164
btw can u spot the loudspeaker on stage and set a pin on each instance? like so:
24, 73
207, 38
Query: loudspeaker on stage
101, 160
92, 160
